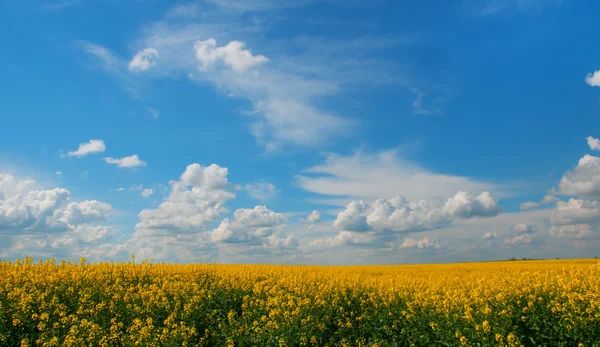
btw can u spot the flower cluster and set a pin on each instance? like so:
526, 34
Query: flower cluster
533, 303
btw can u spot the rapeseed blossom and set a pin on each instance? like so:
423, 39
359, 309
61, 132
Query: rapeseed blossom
553, 303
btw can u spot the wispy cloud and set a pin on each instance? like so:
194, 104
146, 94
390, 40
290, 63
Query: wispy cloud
153, 112
58, 5
109, 61
286, 81
384, 175
261, 190
496, 7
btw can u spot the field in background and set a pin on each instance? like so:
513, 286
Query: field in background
532, 303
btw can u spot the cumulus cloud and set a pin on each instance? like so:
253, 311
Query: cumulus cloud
313, 217
583, 180
43, 221
400, 215
522, 228
208, 178
381, 222
580, 215
422, 243
463, 205
87, 212
90, 147
548, 199
576, 211
593, 79
342, 239
573, 230
530, 205
520, 239
311, 220
130, 162
195, 200
143, 60
26, 210
233, 55
120, 189
248, 225
593, 143
147, 192
261, 190
490, 235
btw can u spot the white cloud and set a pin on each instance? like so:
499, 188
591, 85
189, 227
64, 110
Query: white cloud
130, 162
548, 199
573, 230
342, 239
353, 218
593, 143
520, 239
462, 205
576, 211
88, 211
385, 174
147, 192
583, 180
261, 190
529, 205
120, 189
58, 173
247, 226
178, 227
34, 211
401, 215
286, 101
143, 60
44, 221
422, 243
232, 54
195, 201
490, 235
93, 146
311, 220
210, 178
593, 79
522, 228
580, 215
381, 223
313, 217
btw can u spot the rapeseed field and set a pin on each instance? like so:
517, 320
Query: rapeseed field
528, 303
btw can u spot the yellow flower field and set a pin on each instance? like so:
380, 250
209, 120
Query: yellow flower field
528, 303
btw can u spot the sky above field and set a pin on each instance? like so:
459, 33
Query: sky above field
314, 132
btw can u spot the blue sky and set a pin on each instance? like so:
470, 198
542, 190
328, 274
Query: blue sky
322, 132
